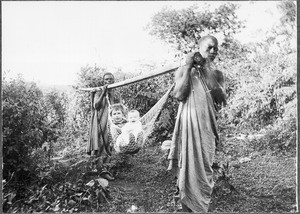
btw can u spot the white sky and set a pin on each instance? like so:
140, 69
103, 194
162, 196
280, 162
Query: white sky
49, 41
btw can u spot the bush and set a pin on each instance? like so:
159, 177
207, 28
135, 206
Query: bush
281, 136
264, 87
56, 103
25, 126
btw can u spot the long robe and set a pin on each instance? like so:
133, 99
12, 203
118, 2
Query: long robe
193, 145
98, 135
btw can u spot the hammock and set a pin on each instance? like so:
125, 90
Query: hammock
150, 117
147, 121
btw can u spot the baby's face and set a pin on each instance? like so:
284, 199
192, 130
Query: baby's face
133, 117
117, 115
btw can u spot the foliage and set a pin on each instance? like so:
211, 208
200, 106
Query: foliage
143, 95
87, 77
289, 13
265, 86
55, 107
183, 28
232, 50
62, 188
277, 137
32, 122
163, 128
283, 36
25, 126
56, 103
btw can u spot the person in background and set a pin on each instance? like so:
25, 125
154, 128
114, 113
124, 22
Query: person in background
98, 144
201, 91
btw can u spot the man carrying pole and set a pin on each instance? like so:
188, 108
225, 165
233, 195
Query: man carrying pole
200, 90
98, 144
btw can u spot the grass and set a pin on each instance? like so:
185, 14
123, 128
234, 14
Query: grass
264, 184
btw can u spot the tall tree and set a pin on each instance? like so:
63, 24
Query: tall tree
288, 11
283, 35
183, 28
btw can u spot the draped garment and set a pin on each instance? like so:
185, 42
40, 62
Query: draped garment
98, 133
193, 145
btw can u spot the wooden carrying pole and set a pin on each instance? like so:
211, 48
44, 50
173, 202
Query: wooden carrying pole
155, 73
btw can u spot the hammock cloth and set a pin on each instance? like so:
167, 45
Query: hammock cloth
147, 121
193, 145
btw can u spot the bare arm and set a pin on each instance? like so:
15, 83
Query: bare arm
98, 98
181, 88
182, 76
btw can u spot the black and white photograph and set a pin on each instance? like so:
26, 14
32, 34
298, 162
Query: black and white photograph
149, 106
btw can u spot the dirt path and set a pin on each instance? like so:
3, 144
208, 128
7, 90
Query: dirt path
128, 193
143, 184
263, 183
126, 187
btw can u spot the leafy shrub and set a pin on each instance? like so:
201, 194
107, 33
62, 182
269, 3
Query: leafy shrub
25, 125
56, 103
281, 136
264, 87
144, 95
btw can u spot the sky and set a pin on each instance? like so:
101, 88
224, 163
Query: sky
49, 41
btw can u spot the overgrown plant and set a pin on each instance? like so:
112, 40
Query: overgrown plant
25, 126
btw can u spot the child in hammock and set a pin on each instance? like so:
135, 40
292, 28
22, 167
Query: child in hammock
117, 121
132, 133
117, 114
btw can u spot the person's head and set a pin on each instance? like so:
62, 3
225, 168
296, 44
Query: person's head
117, 112
133, 116
108, 78
208, 47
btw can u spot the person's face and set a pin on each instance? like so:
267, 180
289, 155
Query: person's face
133, 117
108, 79
117, 115
209, 49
